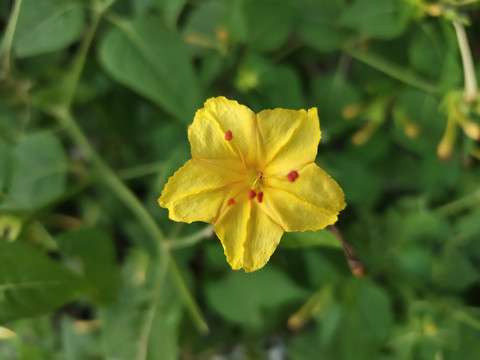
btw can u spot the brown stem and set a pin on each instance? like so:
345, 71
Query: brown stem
354, 263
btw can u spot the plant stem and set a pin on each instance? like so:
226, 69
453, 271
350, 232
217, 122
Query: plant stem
471, 90
139, 171
152, 308
391, 69
456, 206
6, 46
63, 115
190, 240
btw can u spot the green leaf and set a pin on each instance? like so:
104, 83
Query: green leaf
31, 283
5, 166
39, 172
92, 251
333, 93
267, 30
145, 56
310, 238
171, 10
80, 340
124, 322
46, 26
453, 270
366, 321
378, 18
243, 298
434, 53
319, 24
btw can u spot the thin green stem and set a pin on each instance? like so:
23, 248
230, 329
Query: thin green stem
466, 318
8, 38
63, 115
139, 171
132, 202
190, 240
152, 308
79, 61
471, 90
187, 297
461, 204
393, 70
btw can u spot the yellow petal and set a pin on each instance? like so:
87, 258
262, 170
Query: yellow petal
311, 202
211, 123
289, 139
197, 191
249, 237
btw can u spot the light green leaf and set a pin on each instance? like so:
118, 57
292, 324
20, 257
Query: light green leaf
145, 56
92, 252
31, 283
378, 18
242, 298
39, 172
310, 238
46, 26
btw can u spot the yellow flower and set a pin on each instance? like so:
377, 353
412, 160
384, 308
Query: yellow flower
253, 176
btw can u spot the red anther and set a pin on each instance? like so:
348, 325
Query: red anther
251, 194
228, 135
292, 176
260, 175
260, 196
230, 202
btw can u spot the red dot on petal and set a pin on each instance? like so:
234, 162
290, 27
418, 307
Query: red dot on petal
251, 194
260, 196
228, 135
230, 202
292, 176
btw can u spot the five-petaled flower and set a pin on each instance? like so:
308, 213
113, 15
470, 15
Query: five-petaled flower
253, 176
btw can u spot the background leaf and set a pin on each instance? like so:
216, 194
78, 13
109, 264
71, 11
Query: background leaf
39, 172
47, 25
33, 286
145, 56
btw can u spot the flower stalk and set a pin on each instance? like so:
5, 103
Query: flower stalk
471, 89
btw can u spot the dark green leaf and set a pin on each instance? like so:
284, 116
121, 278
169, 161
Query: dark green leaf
31, 283
378, 18
92, 252
267, 30
319, 24
333, 93
145, 56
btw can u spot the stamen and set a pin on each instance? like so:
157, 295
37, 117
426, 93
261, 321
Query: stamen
230, 202
251, 194
228, 135
292, 176
260, 196
260, 175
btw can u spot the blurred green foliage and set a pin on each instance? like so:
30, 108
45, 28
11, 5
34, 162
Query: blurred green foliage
95, 100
